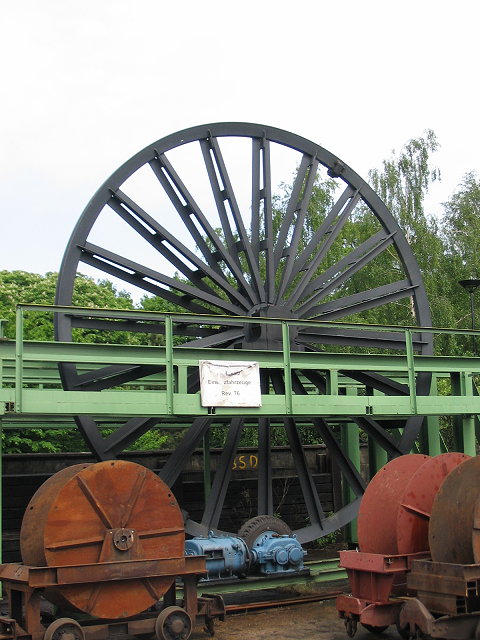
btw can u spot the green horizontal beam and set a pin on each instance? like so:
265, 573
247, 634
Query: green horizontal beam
56, 402
41, 353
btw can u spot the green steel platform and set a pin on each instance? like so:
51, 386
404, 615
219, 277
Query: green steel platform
30, 386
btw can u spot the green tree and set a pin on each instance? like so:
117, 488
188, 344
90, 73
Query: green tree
31, 288
461, 227
403, 184
461, 236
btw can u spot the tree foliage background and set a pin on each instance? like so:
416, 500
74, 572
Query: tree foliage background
445, 244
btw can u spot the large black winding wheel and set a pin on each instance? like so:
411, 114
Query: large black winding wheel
180, 206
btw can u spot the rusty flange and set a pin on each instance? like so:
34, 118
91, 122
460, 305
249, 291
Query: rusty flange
395, 510
416, 507
114, 511
377, 517
455, 523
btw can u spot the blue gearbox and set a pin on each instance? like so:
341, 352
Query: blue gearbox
226, 556
275, 553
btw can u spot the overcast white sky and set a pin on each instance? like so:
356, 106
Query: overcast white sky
86, 84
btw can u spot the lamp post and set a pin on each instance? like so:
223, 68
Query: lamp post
470, 287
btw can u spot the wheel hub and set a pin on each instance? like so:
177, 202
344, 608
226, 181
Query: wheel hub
269, 337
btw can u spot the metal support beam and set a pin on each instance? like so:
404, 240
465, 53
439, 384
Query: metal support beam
350, 440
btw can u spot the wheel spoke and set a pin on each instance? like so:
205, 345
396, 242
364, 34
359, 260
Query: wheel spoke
265, 475
298, 207
216, 498
307, 484
325, 237
176, 462
268, 223
378, 240
340, 278
359, 302
410, 433
167, 176
186, 207
256, 200
357, 338
348, 469
317, 379
125, 435
262, 195
224, 338
193, 381
219, 193
351, 474
92, 436
379, 434
294, 203
160, 238
344, 202
138, 281
112, 376
140, 272
333, 523
380, 383
301, 263
309, 490
101, 324
224, 193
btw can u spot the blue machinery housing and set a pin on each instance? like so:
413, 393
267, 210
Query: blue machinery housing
229, 555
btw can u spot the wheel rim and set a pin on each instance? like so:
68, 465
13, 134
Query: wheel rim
64, 629
173, 623
260, 267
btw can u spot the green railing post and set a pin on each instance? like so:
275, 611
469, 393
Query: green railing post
350, 439
287, 367
463, 425
468, 421
377, 456
430, 434
18, 359
332, 382
169, 363
412, 385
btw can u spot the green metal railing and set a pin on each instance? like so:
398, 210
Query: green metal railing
30, 385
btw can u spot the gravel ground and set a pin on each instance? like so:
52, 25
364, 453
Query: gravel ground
313, 621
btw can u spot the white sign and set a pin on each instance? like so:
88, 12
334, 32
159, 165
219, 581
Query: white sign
229, 384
